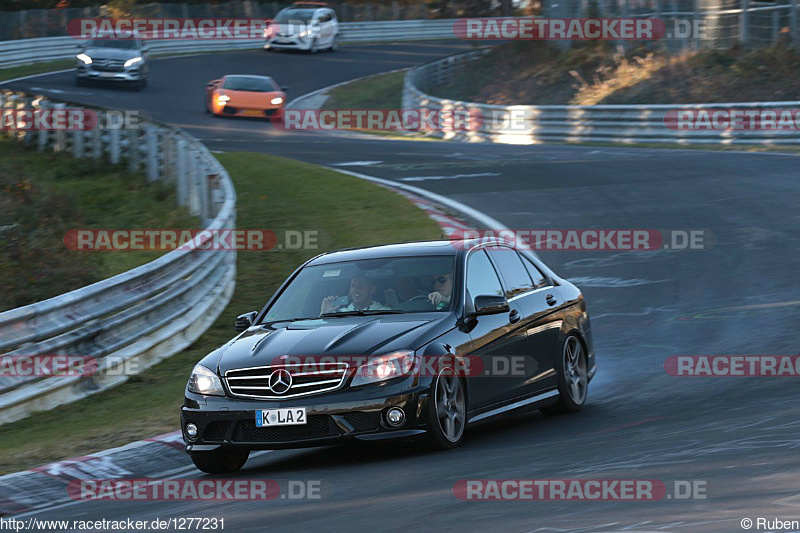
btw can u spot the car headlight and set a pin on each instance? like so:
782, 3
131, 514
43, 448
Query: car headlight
205, 381
277, 100
304, 33
86, 59
133, 61
392, 365
223, 99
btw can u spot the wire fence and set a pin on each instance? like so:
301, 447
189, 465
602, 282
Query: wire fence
697, 23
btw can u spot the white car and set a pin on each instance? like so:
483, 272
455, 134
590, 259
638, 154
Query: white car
309, 26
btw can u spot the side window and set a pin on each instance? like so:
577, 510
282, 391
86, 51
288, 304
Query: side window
324, 17
539, 279
513, 271
481, 276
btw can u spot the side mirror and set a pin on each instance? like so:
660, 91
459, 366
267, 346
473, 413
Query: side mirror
284, 88
491, 304
244, 321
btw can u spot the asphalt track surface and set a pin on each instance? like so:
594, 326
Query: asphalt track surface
740, 297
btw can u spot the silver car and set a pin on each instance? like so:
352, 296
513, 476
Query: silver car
308, 26
113, 60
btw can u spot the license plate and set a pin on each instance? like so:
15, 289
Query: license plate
253, 113
295, 416
107, 74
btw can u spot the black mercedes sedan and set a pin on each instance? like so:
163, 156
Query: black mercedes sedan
395, 341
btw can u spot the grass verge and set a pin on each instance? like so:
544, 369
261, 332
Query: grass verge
43, 195
274, 193
11, 73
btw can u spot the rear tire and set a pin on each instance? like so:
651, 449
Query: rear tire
334, 44
220, 461
447, 411
573, 380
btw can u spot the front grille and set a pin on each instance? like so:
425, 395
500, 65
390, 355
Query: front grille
361, 421
108, 65
216, 431
269, 382
318, 426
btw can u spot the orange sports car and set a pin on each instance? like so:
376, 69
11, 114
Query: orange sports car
245, 96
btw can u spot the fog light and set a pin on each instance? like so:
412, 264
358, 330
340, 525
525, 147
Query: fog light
395, 417
191, 431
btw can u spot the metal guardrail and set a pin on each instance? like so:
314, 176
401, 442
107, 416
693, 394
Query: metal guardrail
529, 124
139, 317
27, 51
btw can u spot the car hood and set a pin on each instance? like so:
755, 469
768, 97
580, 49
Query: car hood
111, 53
344, 336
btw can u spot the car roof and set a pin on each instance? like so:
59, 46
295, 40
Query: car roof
425, 248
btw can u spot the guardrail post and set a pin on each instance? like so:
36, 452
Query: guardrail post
794, 6
151, 142
134, 156
77, 144
61, 135
113, 146
744, 22
43, 134
181, 173
97, 143
775, 27
202, 191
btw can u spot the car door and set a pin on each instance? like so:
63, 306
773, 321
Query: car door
325, 29
496, 340
543, 304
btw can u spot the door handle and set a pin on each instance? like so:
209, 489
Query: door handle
550, 299
514, 316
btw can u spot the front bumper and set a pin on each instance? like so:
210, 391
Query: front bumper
288, 43
87, 72
332, 418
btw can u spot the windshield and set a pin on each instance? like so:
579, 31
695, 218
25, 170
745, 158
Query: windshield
371, 286
296, 16
249, 83
124, 44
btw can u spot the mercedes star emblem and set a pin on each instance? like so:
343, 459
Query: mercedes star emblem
280, 381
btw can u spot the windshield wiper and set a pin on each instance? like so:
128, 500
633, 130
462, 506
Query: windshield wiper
363, 312
271, 322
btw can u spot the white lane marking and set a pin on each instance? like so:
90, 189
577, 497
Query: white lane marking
177, 473
453, 177
357, 163
485, 220
36, 75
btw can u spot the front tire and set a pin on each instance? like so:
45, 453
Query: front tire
447, 411
220, 461
314, 48
573, 378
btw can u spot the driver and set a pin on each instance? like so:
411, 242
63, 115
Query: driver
362, 291
443, 290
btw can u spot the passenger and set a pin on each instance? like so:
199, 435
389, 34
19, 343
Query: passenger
443, 285
362, 292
